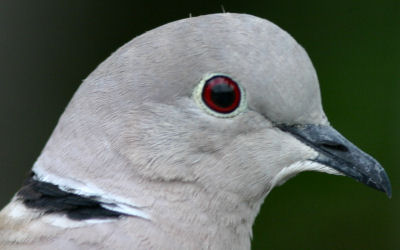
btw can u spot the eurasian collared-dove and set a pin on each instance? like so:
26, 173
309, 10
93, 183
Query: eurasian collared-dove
175, 140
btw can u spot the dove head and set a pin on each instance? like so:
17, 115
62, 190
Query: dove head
211, 110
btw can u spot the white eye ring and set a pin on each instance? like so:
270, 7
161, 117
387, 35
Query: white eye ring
201, 95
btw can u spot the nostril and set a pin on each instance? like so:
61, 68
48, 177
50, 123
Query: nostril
334, 146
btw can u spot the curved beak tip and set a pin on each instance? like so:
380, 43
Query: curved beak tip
379, 180
384, 186
387, 187
389, 193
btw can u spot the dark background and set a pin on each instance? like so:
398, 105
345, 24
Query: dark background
48, 47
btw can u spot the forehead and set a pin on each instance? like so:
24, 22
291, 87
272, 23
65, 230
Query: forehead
275, 71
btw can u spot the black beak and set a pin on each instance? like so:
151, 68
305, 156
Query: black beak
337, 152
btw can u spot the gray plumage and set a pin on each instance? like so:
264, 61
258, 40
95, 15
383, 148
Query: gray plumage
134, 137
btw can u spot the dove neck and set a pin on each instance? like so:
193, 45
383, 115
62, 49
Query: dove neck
211, 219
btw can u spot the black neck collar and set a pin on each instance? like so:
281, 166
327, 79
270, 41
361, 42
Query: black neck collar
49, 198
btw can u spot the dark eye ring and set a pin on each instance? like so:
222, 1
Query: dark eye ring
220, 95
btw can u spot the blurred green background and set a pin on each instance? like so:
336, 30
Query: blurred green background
48, 47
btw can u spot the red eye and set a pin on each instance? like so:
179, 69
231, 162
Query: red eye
221, 94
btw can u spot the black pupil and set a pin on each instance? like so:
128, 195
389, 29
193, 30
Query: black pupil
223, 95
